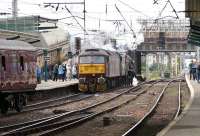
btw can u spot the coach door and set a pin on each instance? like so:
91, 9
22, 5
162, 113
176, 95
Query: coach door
2, 67
0, 70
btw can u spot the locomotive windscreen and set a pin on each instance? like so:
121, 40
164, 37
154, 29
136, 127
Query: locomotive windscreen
92, 60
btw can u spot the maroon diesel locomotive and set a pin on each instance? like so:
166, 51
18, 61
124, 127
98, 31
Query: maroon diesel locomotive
17, 73
100, 70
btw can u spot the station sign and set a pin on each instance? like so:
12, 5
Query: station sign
47, 58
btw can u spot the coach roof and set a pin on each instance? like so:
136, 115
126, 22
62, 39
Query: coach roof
15, 45
97, 51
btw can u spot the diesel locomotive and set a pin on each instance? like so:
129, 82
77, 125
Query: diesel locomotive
17, 73
101, 69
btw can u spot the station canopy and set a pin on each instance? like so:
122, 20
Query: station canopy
26, 23
33, 39
194, 34
26, 29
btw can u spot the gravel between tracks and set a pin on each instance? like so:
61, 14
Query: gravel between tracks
120, 119
163, 114
24, 117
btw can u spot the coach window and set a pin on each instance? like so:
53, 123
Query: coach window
3, 62
22, 63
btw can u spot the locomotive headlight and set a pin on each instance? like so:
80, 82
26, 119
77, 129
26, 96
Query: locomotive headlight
101, 80
82, 80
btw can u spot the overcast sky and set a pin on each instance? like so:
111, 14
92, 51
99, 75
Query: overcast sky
97, 15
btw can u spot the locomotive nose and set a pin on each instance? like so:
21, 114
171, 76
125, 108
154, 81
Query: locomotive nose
101, 80
82, 80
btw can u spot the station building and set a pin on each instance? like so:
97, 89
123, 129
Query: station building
43, 33
165, 41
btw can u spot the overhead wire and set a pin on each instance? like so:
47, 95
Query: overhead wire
173, 9
134, 35
76, 20
132, 8
163, 8
24, 2
140, 12
72, 16
22, 13
58, 19
155, 1
160, 13
30, 3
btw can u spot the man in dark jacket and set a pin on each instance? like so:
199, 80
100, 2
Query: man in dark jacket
55, 72
198, 72
190, 69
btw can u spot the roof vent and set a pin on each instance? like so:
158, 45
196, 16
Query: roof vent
92, 50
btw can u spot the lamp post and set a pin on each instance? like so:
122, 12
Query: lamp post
45, 52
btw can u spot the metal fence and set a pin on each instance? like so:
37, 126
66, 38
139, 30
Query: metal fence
20, 24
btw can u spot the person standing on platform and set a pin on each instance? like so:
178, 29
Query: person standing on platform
194, 73
69, 72
198, 72
55, 72
69, 69
64, 72
38, 74
74, 72
60, 71
190, 69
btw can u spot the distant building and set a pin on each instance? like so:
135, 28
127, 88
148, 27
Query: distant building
165, 35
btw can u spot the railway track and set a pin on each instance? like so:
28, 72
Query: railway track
51, 100
179, 100
75, 100
42, 124
134, 130
122, 118
52, 103
57, 102
99, 112
70, 99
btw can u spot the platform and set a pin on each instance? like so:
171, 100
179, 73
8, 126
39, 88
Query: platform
188, 124
55, 84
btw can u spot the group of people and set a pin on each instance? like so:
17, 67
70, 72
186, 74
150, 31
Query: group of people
64, 72
58, 72
194, 70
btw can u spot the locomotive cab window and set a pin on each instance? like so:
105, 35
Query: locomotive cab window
22, 63
92, 60
3, 63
